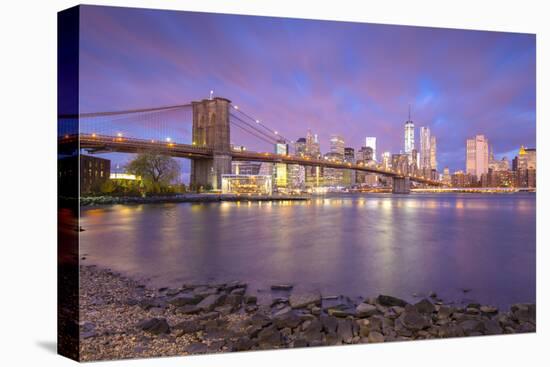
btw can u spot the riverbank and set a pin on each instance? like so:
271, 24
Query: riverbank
184, 198
121, 318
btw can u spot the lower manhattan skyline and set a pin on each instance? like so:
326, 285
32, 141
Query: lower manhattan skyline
354, 80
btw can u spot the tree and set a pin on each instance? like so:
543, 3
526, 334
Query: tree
156, 170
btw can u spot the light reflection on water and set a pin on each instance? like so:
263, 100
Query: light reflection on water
353, 244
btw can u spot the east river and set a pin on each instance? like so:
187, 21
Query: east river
461, 246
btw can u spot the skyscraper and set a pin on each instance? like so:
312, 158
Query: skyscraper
409, 136
386, 160
370, 141
300, 147
425, 149
433, 152
337, 145
313, 149
477, 156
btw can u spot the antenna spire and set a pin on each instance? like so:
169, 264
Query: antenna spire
409, 112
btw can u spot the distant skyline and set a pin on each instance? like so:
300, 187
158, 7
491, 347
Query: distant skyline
351, 79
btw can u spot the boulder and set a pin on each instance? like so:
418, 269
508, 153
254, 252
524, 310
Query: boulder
301, 300
155, 326
492, 327
375, 337
269, 337
211, 301
185, 299
188, 326
329, 323
389, 301
286, 318
414, 320
365, 310
344, 330
188, 309
425, 307
488, 310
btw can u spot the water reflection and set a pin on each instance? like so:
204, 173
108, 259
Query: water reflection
353, 244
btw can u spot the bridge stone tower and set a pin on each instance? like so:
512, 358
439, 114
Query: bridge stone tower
401, 185
211, 130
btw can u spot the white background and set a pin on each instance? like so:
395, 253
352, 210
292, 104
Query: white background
28, 180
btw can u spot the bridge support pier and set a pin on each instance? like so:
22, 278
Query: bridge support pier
211, 130
401, 185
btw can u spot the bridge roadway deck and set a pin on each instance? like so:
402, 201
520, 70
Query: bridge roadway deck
103, 143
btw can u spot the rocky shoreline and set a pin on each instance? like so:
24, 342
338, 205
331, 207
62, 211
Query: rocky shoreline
184, 198
121, 318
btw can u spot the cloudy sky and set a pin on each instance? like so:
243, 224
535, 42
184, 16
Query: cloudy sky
352, 79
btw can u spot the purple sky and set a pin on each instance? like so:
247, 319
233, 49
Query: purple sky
353, 79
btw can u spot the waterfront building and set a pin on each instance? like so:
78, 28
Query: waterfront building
349, 174
245, 168
333, 177
499, 165
502, 178
280, 170
414, 162
266, 169
313, 175
370, 141
477, 156
462, 179
446, 177
409, 136
296, 177
247, 184
433, 152
94, 171
526, 167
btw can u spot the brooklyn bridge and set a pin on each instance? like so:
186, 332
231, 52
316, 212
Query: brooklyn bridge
210, 151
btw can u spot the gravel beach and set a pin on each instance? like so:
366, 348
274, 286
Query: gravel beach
121, 318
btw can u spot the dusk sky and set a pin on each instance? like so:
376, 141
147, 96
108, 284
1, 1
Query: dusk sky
352, 79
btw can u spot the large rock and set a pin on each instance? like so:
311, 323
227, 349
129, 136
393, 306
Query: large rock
375, 337
425, 307
345, 330
330, 324
286, 318
269, 337
389, 301
155, 326
414, 320
365, 310
300, 300
472, 327
188, 326
524, 312
312, 332
492, 327
185, 299
211, 301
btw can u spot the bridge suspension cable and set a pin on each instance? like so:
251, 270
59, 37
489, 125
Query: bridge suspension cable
258, 122
124, 112
253, 130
